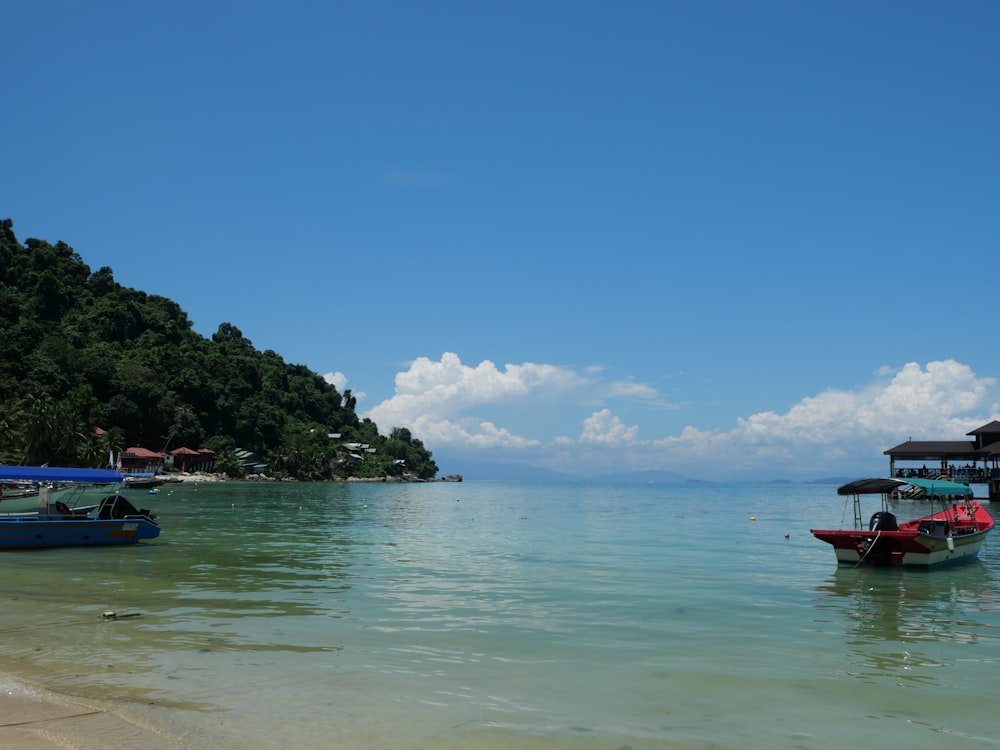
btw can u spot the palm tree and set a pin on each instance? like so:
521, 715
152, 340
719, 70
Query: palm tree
46, 431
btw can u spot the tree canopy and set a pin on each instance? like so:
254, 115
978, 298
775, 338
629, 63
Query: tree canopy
79, 351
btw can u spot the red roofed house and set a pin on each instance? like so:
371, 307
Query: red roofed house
186, 459
141, 461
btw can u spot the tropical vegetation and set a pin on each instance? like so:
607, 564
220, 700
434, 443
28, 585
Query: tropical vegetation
88, 366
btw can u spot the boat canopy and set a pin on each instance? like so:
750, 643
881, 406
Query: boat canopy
929, 487
869, 487
939, 487
57, 474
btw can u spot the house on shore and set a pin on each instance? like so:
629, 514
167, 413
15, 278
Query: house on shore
190, 460
138, 460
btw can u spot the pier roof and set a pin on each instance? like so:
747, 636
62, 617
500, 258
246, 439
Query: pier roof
991, 428
915, 450
984, 445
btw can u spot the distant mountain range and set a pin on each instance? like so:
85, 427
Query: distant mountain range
473, 469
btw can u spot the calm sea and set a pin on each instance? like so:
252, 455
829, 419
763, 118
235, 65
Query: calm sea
510, 616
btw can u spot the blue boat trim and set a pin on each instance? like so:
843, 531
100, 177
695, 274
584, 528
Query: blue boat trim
58, 474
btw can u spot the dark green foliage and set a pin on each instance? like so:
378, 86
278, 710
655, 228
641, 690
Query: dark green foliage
79, 351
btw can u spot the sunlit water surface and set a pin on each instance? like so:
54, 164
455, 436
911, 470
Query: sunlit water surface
509, 615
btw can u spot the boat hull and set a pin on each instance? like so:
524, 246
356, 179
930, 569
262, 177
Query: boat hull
29, 533
55, 524
899, 548
950, 536
143, 483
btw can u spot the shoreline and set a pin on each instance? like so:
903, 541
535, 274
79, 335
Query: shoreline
183, 478
37, 718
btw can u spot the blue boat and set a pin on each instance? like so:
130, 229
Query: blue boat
113, 520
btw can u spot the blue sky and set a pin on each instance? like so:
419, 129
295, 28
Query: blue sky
578, 235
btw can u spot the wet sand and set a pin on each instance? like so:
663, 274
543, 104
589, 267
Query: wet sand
35, 719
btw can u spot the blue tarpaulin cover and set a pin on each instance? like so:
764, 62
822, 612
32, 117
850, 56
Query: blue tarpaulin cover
57, 474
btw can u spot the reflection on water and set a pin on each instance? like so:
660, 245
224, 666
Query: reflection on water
896, 619
912, 605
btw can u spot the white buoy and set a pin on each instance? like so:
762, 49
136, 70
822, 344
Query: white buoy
951, 544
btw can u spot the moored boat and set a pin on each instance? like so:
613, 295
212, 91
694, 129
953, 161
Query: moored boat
21, 497
55, 523
141, 481
956, 532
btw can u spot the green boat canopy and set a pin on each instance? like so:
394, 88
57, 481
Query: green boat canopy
926, 487
939, 487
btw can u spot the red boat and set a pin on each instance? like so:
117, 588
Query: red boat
954, 533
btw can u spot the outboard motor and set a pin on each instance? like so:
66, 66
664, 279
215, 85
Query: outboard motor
883, 521
879, 550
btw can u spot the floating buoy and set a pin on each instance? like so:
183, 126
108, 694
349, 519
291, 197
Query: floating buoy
786, 536
753, 518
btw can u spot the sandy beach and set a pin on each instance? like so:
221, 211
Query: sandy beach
36, 719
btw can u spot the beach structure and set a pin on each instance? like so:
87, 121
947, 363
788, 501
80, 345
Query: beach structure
975, 461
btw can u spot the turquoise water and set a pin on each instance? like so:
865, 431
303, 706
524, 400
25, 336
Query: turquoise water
508, 615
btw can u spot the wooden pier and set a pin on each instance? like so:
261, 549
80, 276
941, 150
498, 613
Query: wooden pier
975, 461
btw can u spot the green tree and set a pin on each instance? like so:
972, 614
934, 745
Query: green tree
78, 351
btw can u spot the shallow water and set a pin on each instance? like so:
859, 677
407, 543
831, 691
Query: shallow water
508, 615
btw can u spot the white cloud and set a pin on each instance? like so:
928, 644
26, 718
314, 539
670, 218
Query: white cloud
432, 398
631, 389
468, 433
926, 403
339, 381
453, 406
604, 428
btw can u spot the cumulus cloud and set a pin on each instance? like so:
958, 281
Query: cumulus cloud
451, 405
433, 398
469, 433
604, 428
339, 381
926, 403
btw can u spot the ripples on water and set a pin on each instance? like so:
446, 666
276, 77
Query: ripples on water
510, 616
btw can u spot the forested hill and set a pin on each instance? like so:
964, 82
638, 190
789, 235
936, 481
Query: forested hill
79, 351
